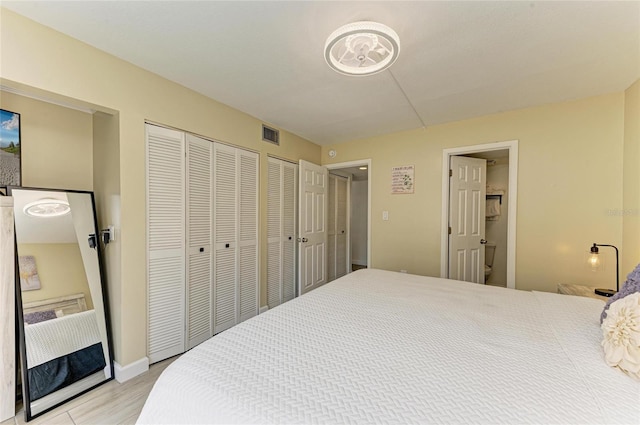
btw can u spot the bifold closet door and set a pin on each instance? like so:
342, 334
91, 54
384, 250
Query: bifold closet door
248, 280
281, 231
165, 242
199, 238
235, 206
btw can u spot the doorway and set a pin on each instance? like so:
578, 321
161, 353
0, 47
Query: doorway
502, 158
358, 211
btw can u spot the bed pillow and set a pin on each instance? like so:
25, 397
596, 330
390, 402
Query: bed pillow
621, 332
630, 286
39, 316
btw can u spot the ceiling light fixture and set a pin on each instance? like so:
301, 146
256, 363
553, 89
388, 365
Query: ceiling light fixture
47, 208
362, 48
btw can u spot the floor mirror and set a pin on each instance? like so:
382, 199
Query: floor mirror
64, 332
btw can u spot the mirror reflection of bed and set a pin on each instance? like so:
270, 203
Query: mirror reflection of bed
66, 348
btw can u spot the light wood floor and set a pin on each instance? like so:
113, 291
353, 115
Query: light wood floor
111, 403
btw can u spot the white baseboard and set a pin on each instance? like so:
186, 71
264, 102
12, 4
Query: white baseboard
124, 373
263, 309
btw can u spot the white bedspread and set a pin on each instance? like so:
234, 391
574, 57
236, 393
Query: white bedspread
384, 347
55, 338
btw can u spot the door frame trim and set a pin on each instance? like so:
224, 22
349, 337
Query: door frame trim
359, 163
512, 146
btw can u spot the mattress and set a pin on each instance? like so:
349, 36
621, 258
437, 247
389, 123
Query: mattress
384, 347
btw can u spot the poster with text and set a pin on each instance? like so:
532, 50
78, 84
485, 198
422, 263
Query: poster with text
402, 179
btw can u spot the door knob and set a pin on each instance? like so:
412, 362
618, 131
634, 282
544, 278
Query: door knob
483, 241
305, 240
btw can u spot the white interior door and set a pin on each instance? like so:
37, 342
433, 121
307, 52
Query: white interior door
312, 219
342, 226
331, 229
467, 201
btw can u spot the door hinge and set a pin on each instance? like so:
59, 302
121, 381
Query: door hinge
450, 173
449, 229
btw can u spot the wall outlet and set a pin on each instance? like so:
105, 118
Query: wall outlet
385, 215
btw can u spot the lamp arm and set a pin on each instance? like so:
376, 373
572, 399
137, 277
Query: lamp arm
617, 265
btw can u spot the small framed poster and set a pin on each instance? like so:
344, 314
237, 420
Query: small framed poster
10, 158
402, 179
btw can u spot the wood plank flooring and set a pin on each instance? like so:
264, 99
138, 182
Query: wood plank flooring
111, 403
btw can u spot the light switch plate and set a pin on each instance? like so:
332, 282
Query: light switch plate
385, 215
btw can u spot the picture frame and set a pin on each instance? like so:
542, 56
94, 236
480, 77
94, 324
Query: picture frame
29, 279
10, 148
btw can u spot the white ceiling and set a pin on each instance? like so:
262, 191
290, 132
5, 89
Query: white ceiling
457, 59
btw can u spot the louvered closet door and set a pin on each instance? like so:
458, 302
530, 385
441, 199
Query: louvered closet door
274, 232
165, 242
289, 226
225, 176
235, 203
341, 226
248, 234
199, 220
281, 231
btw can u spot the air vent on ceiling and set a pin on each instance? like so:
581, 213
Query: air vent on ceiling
270, 135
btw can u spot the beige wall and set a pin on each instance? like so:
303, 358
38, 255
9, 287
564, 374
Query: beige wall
106, 183
60, 270
36, 58
55, 149
631, 204
570, 174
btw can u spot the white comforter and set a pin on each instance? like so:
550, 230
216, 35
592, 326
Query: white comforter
384, 347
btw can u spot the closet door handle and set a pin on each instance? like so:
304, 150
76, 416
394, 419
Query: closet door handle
483, 241
227, 245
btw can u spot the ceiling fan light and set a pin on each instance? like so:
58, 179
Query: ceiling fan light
362, 48
47, 208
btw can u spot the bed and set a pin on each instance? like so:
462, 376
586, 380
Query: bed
63, 344
384, 347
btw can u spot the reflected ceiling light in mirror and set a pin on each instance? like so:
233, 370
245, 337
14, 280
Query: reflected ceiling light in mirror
362, 48
47, 208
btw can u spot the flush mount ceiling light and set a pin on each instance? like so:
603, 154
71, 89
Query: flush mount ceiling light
362, 48
47, 208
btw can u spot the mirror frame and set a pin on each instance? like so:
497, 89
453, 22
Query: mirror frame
20, 317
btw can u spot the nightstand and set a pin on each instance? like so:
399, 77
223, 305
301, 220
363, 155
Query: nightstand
580, 290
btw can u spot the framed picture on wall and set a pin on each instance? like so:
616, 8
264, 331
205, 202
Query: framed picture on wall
10, 158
